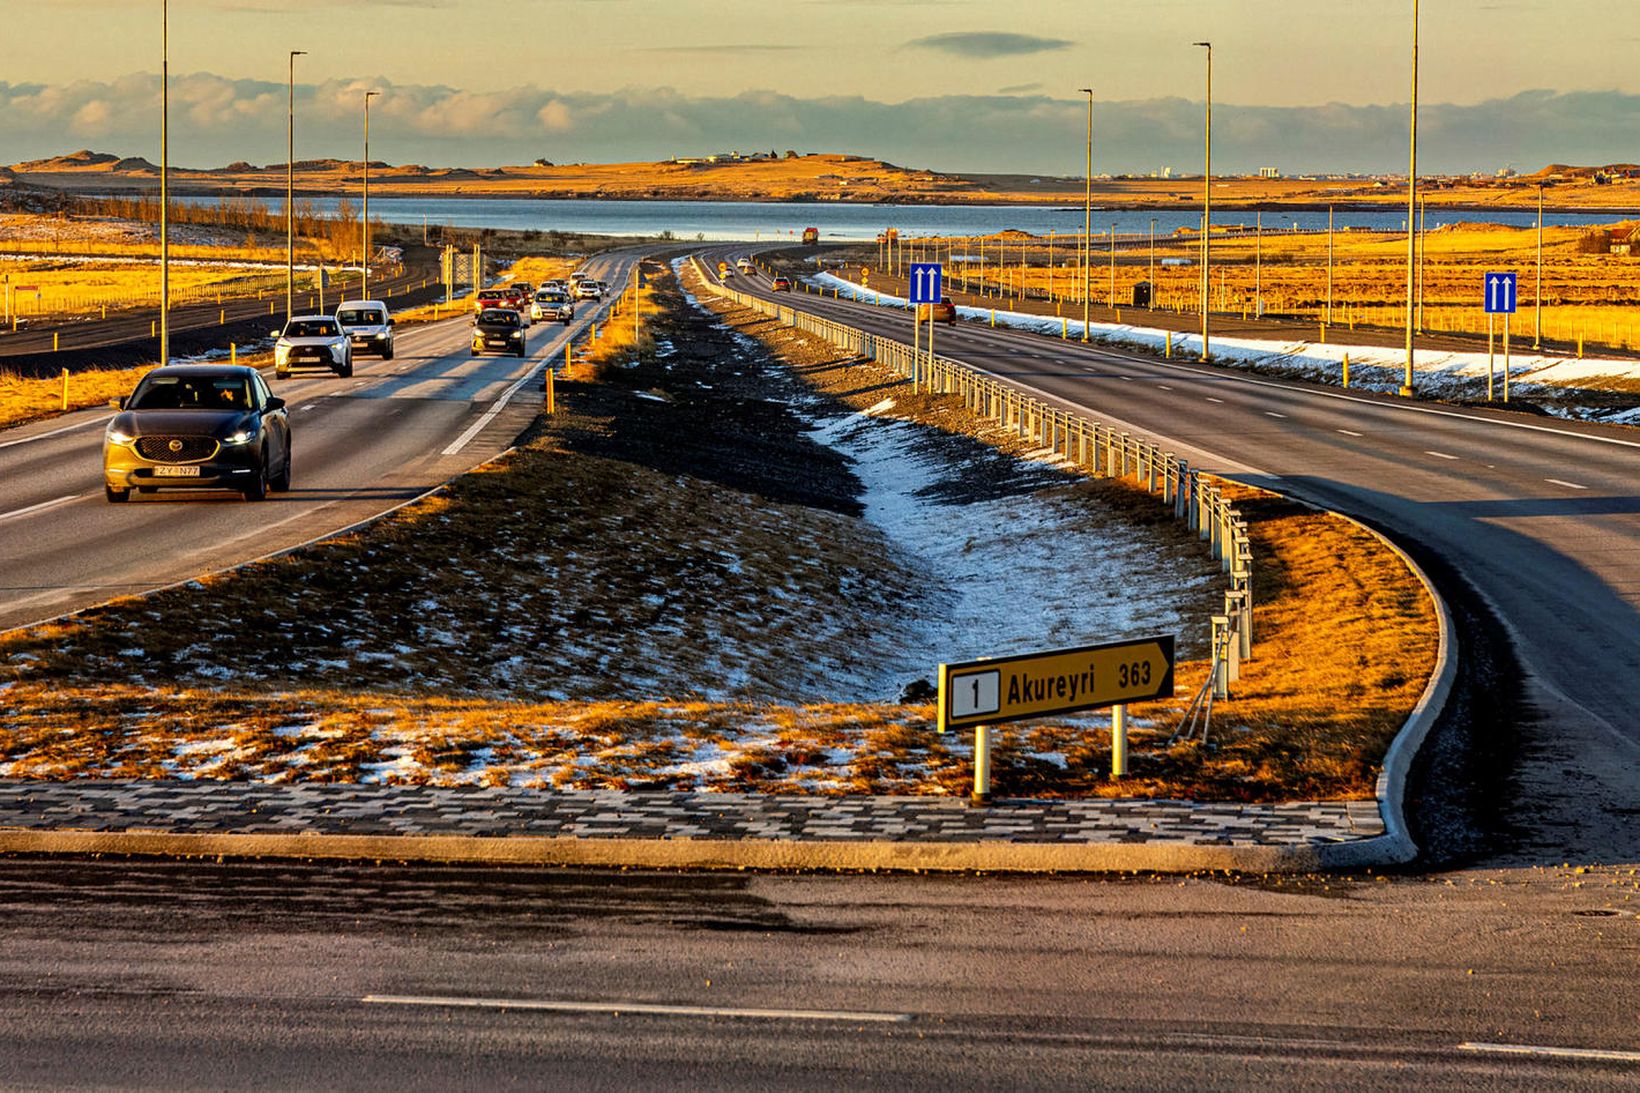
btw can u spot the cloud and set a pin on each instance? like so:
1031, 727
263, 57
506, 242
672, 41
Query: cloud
988, 44
1019, 88
216, 120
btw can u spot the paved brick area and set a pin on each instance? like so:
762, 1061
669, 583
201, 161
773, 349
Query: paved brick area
217, 808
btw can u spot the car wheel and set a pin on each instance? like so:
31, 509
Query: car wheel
281, 373
387, 354
258, 488
281, 484
346, 370
116, 497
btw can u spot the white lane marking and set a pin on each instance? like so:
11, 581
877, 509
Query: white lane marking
645, 1008
56, 432
42, 506
1550, 1051
1272, 413
1349, 432
1128, 378
496, 407
1568, 485
309, 406
1210, 398
1163, 387
1439, 455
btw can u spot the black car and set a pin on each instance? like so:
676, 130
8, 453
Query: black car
198, 426
499, 328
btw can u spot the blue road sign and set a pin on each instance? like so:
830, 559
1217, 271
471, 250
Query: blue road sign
926, 278
1500, 293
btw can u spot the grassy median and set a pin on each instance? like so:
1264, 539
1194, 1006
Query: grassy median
661, 588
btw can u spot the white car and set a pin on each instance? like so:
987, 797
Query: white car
315, 341
552, 305
369, 326
589, 290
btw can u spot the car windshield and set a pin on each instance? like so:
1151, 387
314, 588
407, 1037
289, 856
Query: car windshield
310, 328
362, 317
192, 393
499, 318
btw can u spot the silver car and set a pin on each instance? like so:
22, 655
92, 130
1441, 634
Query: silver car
312, 341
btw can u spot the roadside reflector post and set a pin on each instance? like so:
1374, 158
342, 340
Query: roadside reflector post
233, 352
569, 359
1580, 345
982, 764
552, 399
105, 311
1168, 351
1064, 329
1118, 741
993, 317
1323, 333
1346, 369
54, 341
65, 388
152, 325
222, 317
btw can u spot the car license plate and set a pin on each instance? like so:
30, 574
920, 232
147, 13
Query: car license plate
176, 472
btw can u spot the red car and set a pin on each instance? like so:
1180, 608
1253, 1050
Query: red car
943, 312
780, 284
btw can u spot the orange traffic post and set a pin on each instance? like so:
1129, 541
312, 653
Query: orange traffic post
65, 388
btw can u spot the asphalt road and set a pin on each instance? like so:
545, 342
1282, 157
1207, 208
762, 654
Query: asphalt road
199, 976
361, 446
1540, 517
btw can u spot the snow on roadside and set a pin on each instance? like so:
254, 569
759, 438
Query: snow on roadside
1443, 373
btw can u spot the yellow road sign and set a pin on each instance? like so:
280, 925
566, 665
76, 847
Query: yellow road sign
989, 692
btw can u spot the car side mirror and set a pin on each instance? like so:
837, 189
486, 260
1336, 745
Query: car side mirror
392, 321
274, 403
274, 333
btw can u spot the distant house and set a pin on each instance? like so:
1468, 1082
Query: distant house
1269, 172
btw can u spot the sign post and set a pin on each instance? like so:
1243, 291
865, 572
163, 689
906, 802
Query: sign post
1500, 298
983, 693
927, 287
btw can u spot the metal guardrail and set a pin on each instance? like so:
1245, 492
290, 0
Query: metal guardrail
1195, 499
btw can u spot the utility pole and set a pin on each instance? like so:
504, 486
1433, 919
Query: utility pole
1207, 203
165, 184
290, 189
1112, 291
1329, 263
364, 275
1537, 299
1087, 219
1152, 297
1412, 208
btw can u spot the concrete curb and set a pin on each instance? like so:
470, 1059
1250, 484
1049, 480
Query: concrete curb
1395, 846
684, 853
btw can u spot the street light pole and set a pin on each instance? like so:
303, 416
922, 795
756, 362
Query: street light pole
1537, 300
364, 274
1329, 263
1087, 219
1207, 202
290, 189
1112, 292
165, 183
1412, 209
1258, 265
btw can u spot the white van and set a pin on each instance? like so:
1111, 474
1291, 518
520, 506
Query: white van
369, 326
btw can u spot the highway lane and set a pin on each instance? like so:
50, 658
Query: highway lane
361, 445
1541, 517
124, 974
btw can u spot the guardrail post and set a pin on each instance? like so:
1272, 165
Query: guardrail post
1220, 644
1181, 495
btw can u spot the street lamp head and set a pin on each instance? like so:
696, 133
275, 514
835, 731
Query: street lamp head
1085, 90
1206, 45
298, 53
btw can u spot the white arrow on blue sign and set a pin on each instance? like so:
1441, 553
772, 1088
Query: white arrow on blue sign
926, 278
1500, 293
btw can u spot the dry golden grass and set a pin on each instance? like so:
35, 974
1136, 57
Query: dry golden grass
24, 399
81, 288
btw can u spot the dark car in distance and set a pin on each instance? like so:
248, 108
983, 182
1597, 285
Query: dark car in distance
198, 426
943, 312
498, 328
780, 284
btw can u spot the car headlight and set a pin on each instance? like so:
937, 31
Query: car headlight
115, 436
280, 352
243, 436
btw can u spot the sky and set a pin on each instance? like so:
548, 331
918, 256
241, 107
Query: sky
963, 85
